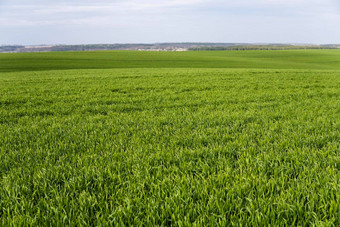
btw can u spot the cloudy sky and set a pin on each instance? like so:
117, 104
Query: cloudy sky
148, 21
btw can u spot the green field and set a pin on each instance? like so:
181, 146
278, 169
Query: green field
293, 59
244, 138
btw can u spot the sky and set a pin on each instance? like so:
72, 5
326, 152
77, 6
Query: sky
34, 22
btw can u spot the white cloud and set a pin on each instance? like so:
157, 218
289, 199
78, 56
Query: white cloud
174, 19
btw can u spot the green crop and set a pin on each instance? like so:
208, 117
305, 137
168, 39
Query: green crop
292, 59
246, 138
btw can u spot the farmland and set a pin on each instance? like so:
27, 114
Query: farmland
165, 138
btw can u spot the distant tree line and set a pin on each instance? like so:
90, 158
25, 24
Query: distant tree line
96, 47
259, 47
10, 48
164, 46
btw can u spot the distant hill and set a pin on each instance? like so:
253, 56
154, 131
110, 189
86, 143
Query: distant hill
163, 47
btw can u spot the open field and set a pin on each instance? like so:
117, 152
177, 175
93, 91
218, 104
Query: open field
162, 138
293, 59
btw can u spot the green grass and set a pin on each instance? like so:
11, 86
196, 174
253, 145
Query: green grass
206, 138
292, 59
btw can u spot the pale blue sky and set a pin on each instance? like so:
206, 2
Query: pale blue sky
148, 21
